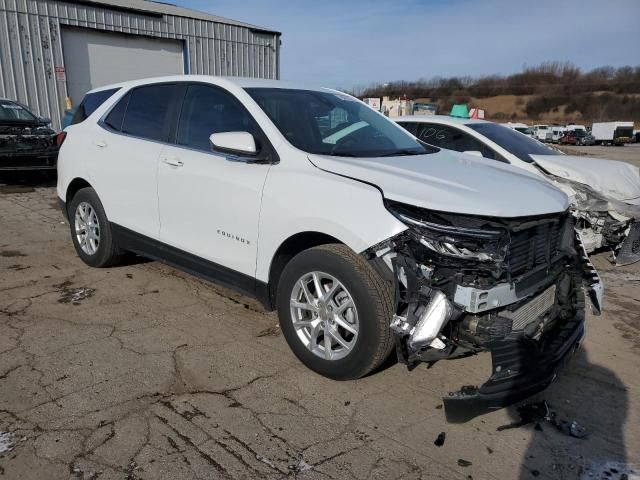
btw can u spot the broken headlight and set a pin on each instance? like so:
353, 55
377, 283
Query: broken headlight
443, 237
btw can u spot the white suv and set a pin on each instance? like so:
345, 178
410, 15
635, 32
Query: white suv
361, 236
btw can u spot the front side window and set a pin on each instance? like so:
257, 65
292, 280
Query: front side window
148, 110
11, 111
513, 142
208, 110
331, 123
452, 138
90, 103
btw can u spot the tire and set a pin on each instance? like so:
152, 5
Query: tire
102, 251
370, 318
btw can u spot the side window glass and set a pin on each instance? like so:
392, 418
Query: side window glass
208, 110
116, 115
90, 103
433, 134
411, 127
147, 112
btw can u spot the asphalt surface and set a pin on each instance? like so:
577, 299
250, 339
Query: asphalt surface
141, 371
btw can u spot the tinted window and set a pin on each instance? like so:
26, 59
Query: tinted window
116, 115
411, 127
452, 138
148, 111
208, 110
332, 123
513, 142
90, 103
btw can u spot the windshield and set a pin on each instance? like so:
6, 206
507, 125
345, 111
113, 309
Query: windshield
514, 142
329, 123
10, 111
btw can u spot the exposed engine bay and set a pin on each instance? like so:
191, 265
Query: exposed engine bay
466, 284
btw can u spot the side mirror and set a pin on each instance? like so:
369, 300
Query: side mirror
475, 153
45, 120
238, 143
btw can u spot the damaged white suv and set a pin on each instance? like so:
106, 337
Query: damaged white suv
362, 237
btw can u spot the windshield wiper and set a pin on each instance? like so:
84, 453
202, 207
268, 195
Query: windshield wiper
341, 154
399, 153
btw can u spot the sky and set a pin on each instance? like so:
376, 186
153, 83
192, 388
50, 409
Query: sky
352, 44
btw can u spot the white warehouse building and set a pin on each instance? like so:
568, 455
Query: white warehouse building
53, 52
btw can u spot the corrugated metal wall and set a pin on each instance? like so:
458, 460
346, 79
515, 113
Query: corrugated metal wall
31, 47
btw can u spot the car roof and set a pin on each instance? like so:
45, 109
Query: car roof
242, 82
441, 119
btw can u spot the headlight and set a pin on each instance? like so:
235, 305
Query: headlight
443, 238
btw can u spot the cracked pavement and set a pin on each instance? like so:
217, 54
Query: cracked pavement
141, 371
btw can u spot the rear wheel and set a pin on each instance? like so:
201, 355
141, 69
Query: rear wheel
335, 312
91, 231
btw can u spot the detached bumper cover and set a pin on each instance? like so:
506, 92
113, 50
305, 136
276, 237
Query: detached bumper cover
521, 368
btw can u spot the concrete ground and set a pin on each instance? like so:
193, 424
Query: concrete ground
141, 371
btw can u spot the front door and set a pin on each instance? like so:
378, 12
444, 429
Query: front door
210, 202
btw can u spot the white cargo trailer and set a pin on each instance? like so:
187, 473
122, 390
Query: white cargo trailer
612, 133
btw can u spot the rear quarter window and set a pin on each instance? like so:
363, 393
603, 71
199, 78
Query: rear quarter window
90, 103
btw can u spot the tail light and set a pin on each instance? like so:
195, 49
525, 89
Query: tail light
60, 138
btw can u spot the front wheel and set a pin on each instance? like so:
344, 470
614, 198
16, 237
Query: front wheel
335, 311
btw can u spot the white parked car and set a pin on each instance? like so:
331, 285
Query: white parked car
362, 237
605, 194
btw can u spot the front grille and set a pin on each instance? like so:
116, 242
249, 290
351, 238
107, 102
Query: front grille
534, 246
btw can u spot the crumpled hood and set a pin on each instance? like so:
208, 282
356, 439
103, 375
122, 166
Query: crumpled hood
452, 182
611, 178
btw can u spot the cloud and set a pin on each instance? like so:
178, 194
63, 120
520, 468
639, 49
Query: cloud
354, 43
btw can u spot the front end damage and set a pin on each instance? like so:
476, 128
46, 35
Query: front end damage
465, 285
603, 221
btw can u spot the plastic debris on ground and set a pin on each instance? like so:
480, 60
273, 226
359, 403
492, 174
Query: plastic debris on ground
540, 412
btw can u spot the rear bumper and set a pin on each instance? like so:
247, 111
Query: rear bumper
520, 369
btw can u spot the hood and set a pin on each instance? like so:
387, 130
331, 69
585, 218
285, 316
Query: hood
611, 178
452, 182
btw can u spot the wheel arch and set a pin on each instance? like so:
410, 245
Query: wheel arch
288, 249
74, 186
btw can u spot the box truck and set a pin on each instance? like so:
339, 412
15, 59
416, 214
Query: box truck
612, 133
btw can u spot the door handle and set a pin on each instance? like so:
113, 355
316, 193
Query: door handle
174, 162
100, 143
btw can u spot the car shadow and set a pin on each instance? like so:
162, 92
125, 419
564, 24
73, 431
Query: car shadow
596, 399
23, 181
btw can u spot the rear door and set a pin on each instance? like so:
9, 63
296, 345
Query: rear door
126, 150
209, 201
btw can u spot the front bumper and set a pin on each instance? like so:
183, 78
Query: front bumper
27, 162
521, 368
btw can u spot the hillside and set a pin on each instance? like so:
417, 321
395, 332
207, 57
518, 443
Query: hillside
552, 92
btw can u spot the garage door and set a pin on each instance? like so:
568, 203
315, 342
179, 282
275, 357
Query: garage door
94, 58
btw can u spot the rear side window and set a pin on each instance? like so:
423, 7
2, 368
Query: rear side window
116, 115
208, 110
147, 111
90, 103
